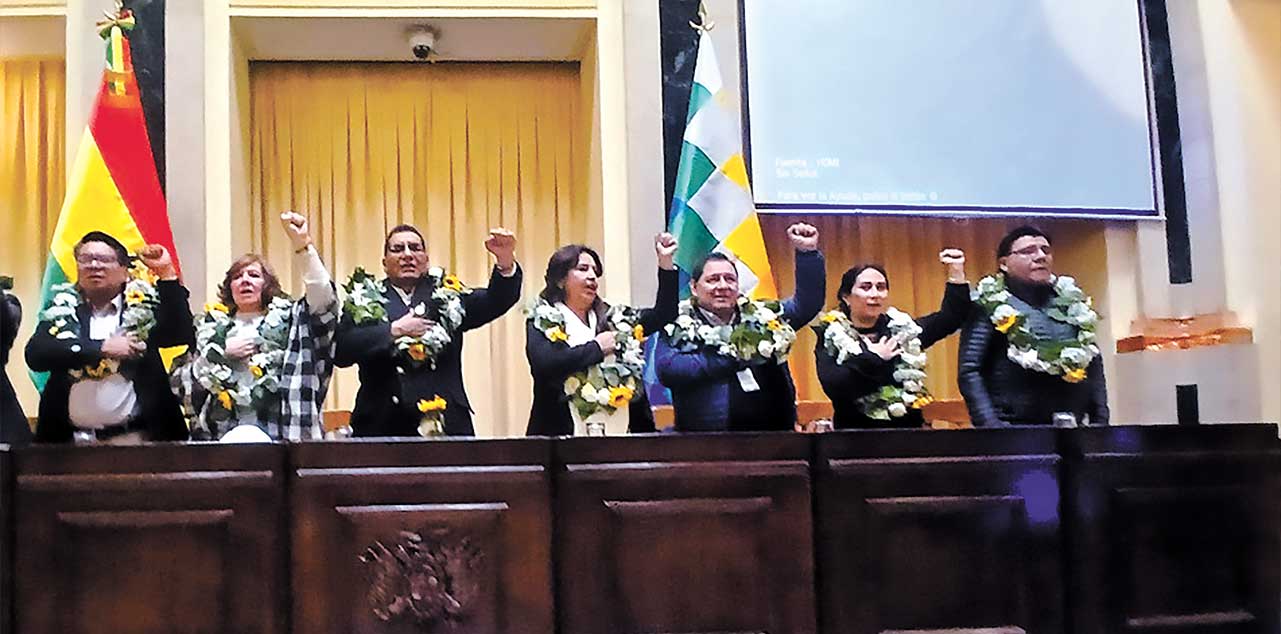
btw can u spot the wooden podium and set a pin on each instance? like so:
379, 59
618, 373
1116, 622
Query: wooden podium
1126, 530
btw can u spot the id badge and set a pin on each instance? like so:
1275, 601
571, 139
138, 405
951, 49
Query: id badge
747, 380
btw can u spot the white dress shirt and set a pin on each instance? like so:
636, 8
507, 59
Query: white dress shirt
99, 403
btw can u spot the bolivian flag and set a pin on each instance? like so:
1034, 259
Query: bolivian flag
113, 186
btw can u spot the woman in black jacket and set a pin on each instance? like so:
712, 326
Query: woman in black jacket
871, 357
571, 280
13, 423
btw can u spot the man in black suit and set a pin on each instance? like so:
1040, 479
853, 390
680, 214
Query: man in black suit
107, 384
13, 423
391, 382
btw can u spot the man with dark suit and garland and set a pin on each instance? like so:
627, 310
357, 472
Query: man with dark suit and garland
406, 334
100, 342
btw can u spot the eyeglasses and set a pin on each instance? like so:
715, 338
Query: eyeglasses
86, 259
412, 247
1031, 251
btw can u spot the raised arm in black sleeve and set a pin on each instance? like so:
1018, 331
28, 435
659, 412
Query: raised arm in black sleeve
666, 302
483, 305
950, 316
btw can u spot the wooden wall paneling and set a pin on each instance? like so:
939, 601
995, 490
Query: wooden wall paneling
939, 531
430, 536
682, 534
152, 539
1175, 529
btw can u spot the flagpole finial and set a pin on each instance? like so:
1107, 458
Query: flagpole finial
703, 25
122, 18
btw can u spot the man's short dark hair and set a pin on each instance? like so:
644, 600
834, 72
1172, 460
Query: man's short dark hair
714, 256
402, 229
1003, 249
122, 254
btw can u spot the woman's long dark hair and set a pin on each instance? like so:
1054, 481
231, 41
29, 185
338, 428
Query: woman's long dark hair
847, 282
564, 260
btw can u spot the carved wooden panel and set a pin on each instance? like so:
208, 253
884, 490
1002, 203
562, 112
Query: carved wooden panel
1177, 530
422, 537
149, 540
686, 546
6, 539
921, 532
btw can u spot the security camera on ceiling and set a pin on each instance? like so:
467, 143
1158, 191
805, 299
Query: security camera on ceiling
422, 42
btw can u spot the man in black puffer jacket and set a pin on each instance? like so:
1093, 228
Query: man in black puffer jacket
1000, 392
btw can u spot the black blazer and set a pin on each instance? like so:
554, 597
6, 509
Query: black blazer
551, 363
999, 392
13, 422
867, 372
390, 386
160, 412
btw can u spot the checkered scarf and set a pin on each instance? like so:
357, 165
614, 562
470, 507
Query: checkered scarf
304, 381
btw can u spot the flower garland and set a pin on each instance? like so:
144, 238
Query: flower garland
840, 339
1066, 358
761, 334
217, 376
614, 382
137, 318
366, 303
432, 419
843, 341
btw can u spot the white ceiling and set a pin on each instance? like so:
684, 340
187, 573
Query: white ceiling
41, 36
385, 39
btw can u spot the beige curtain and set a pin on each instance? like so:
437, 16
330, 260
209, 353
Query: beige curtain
32, 184
908, 248
452, 148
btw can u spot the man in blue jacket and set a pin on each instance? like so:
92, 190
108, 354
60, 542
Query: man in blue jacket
715, 392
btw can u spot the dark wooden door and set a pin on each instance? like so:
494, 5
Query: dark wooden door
1175, 529
698, 533
418, 537
159, 539
939, 531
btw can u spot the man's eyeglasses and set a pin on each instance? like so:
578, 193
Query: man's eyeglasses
1031, 251
412, 247
86, 259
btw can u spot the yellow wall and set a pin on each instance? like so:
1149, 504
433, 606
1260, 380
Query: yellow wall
1243, 62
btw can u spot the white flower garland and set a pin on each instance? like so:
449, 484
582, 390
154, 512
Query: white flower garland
614, 382
843, 341
1066, 358
366, 303
217, 376
137, 319
761, 334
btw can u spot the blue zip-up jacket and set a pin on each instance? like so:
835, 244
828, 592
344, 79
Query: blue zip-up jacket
706, 393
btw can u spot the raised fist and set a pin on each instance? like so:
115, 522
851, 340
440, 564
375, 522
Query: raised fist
804, 237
